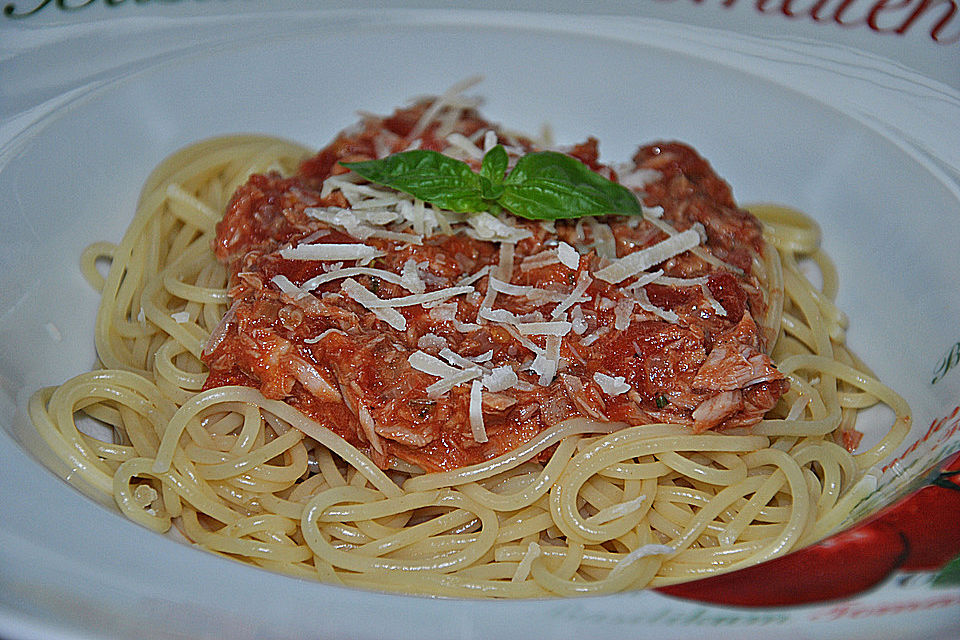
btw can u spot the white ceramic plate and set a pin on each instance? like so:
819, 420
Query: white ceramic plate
867, 147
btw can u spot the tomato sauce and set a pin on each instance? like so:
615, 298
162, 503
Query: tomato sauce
689, 353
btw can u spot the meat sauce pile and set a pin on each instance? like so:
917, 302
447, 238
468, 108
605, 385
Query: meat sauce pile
696, 359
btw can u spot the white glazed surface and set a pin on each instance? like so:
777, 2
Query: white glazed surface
867, 147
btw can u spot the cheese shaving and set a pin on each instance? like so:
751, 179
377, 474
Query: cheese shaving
476, 412
338, 274
464, 144
640, 261
456, 359
533, 293
643, 301
475, 276
432, 342
421, 298
640, 552
369, 300
449, 97
450, 376
286, 286
410, 277
568, 256
546, 364
431, 365
576, 296
623, 313
489, 140
637, 179
500, 379
614, 511
610, 385
331, 251
443, 385
539, 260
485, 226
323, 335
560, 328
578, 321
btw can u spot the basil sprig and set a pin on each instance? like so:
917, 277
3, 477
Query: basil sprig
544, 185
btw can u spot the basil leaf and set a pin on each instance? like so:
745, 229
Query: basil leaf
490, 191
428, 175
542, 186
494, 164
551, 185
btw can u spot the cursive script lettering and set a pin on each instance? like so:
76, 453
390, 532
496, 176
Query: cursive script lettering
24, 10
947, 362
880, 16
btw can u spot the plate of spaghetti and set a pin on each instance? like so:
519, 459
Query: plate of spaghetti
368, 352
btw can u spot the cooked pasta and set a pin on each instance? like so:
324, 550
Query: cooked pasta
583, 506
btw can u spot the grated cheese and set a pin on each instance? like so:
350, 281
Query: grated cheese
596, 335
539, 260
610, 385
623, 313
456, 359
447, 312
489, 140
559, 328
464, 144
485, 226
331, 251
432, 341
443, 385
498, 315
475, 276
547, 363
576, 296
500, 378
448, 98
569, 256
637, 179
286, 286
533, 293
486, 356
323, 335
421, 298
578, 321
640, 261
410, 277
640, 552
431, 365
614, 511
450, 376
476, 412
603, 240
369, 300
643, 301
340, 273
713, 302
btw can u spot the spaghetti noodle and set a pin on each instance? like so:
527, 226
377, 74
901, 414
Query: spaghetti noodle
581, 506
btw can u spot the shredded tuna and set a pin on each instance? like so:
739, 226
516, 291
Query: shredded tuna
446, 339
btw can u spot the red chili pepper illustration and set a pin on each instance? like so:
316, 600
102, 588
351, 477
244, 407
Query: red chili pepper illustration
918, 533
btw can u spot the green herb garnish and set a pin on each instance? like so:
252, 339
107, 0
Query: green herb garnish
544, 185
662, 401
